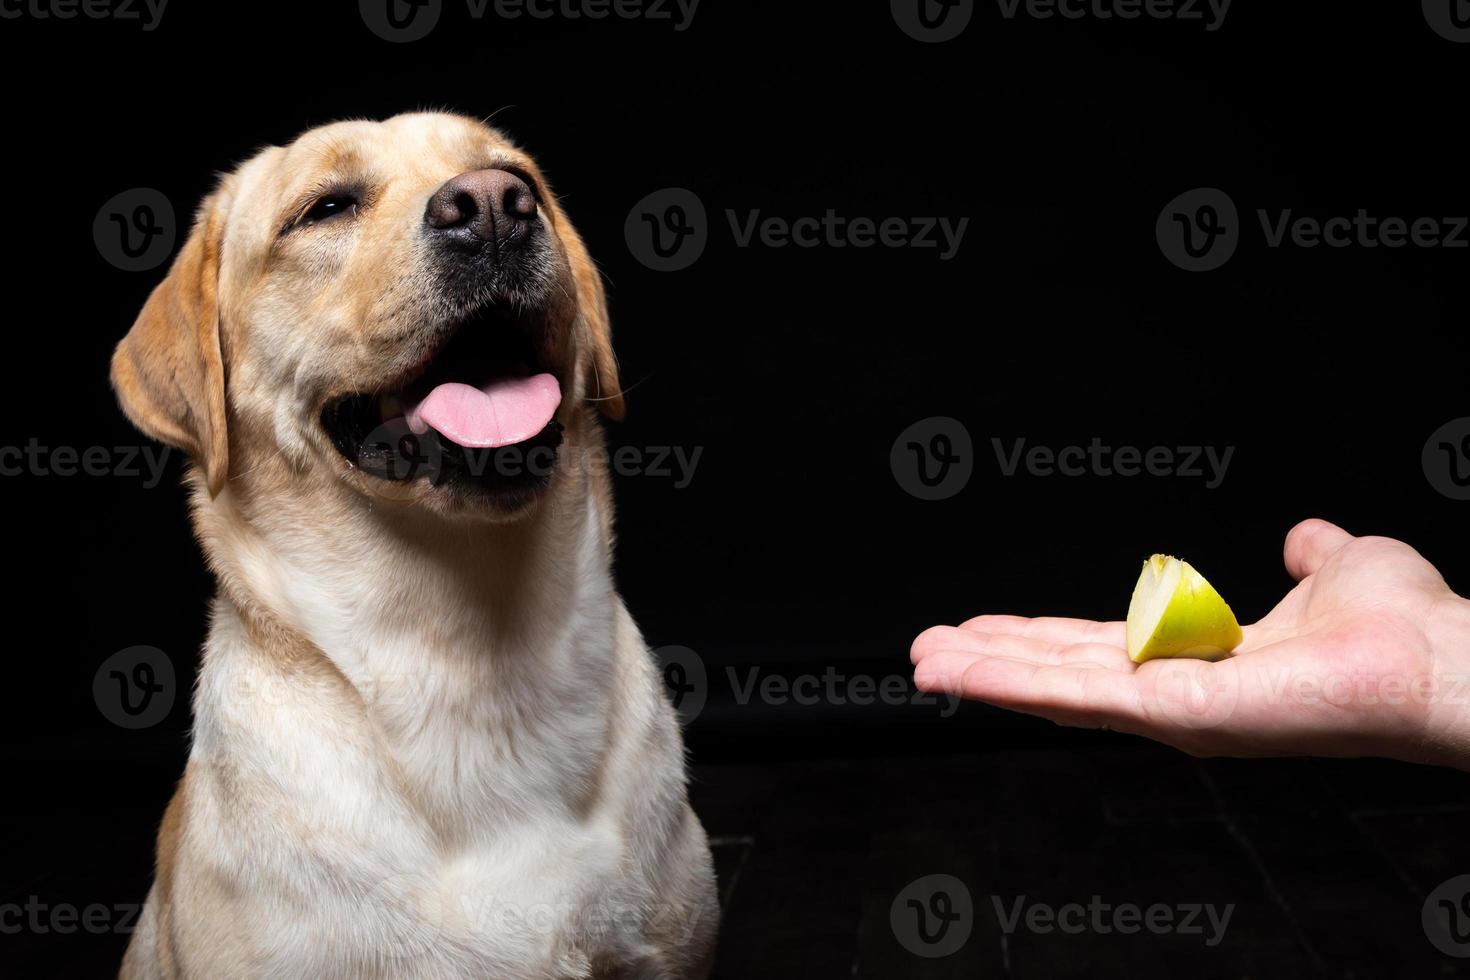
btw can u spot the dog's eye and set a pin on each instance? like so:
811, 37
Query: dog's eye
329, 207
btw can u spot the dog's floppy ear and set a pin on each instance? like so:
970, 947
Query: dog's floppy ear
168, 371
594, 343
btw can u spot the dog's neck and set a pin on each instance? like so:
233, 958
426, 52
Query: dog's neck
348, 571
437, 635
389, 592
477, 657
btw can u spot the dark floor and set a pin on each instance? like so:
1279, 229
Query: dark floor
1324, 867
1327, 865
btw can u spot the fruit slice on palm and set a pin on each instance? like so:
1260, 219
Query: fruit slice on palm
1176, 613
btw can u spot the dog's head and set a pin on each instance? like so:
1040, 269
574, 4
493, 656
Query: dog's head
401, 304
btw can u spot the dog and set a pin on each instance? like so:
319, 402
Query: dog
429, 740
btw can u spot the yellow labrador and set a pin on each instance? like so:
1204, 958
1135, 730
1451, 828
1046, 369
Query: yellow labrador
429, 740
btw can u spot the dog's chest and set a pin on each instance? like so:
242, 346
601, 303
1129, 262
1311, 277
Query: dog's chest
481, 841
480, 739
541, 899
462, 801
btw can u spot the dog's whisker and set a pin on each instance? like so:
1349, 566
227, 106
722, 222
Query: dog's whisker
620, 393
280, 451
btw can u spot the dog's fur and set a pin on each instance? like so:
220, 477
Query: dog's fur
428, 739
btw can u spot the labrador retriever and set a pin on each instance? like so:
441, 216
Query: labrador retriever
428, 741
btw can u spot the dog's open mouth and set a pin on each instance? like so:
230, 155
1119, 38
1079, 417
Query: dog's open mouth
482, 408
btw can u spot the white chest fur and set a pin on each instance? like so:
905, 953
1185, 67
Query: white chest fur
488, 792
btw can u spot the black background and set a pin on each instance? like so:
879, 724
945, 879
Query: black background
793, 370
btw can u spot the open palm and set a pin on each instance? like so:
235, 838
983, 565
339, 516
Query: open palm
1368, 655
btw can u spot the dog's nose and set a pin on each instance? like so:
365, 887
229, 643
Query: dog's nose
483, 206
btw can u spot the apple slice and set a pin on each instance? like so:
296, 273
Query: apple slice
1176, 613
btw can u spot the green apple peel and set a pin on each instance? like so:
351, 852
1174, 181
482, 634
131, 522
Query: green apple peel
1176, 613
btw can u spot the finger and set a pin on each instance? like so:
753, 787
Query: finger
1051, 629
942, 639
1310, 544
1089, 695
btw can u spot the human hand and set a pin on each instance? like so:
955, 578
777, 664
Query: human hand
1368, 655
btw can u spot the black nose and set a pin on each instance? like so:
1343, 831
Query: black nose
483, 206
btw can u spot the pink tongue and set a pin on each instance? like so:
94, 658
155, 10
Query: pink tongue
503, 413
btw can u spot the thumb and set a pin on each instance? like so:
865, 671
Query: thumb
1310, 544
